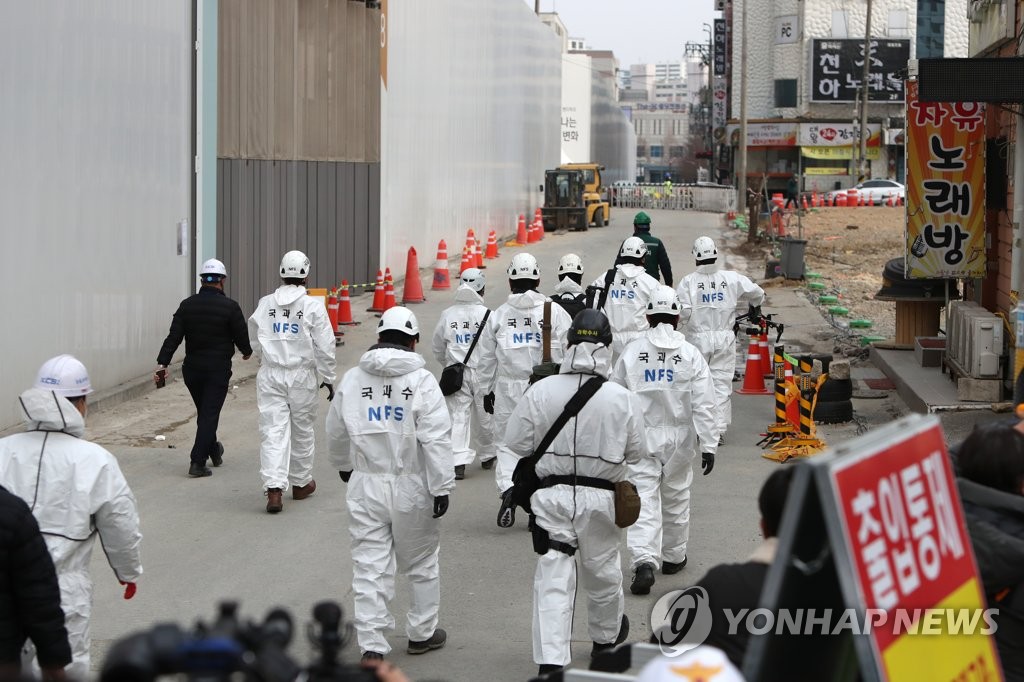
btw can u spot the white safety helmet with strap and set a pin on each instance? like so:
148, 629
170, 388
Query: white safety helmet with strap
474, 279
399, 319
665, 301
633, 247
64, 375
570, 264
704, 249
523, 266
294, 264
212, 271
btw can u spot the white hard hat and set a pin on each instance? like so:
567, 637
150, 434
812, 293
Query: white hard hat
213, 267
704, 249
664, 301
633, 247
523, 266
64, 375
295, 264
399, 319
474, 279
570, 264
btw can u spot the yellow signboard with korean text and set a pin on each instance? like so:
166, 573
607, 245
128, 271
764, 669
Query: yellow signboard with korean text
838, 152
945, 147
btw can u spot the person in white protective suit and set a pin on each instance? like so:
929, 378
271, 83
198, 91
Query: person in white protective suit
389, 437
292, 336
510, 346
569, 292
453, 336
624, 291
76, 491
573, 510
708, 299
673, 384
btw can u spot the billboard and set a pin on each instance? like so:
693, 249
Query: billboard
719, 52
837, 68
945, 153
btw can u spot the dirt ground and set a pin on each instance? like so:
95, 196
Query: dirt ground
849, 247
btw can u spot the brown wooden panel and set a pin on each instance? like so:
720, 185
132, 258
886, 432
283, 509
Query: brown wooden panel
370, 133
282, 87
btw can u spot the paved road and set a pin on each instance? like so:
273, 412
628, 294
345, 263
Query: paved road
210, 539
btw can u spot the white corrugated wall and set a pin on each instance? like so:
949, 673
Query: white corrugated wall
470, 121
95, 137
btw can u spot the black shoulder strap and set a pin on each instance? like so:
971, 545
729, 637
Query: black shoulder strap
609, 277
572, 408
476, 337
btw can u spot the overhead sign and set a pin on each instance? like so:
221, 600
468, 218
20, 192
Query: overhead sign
786, 30
838, 134
718, 104
782, 134
903, 532
846, 152
719, 53
837, 68
945, 151
873, 553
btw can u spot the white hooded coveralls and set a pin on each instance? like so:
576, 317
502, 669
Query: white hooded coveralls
389, 426
291, 334
673, 385
626, 303
708, 300
603, 440
76, 491
509, 349
453, 336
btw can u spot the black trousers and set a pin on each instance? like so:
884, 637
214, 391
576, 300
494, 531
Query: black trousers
209, 388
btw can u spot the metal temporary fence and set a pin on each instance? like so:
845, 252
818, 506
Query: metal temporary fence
717, 198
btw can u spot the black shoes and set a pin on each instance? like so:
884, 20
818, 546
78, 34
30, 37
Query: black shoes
619, 639
372, 656
217, 457
487, 463
671, 568
196, 470
460, 472
507, 511
547, 669
643, 579
436, 641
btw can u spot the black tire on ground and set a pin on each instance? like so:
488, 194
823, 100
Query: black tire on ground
838, 412
835, 390
599, 218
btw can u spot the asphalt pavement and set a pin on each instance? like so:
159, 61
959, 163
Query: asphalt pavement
210, 539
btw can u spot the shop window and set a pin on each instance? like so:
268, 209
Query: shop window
785, 92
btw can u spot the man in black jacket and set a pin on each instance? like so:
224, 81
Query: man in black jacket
29, 594
212, 325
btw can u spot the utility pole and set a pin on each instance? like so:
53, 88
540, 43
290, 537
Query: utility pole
862, 169
741, 180
536, 6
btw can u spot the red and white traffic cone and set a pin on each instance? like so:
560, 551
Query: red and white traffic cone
442, 276
378, 296
753, 376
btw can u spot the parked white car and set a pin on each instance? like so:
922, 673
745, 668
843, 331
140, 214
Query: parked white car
877, 192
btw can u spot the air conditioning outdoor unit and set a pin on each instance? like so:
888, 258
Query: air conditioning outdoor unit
975, 340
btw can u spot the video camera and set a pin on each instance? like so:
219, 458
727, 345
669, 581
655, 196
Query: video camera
229, 646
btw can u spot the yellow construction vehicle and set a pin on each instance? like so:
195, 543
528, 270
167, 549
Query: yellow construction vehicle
573, 198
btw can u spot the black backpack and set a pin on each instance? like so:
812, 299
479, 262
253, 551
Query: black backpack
571, 303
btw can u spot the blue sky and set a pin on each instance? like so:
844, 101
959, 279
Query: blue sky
637, 31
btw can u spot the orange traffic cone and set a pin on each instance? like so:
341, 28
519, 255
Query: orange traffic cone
378, 296
442, 277
531, 236
345, 306
389, 294
413, 291
471, 246
753, 381
804, 202
538, 216
766, 355
478, 254
538, 220
466, 262
521, 234
492, 246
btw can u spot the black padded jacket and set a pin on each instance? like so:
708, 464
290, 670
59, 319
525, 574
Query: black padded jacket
212, 325
29, 593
